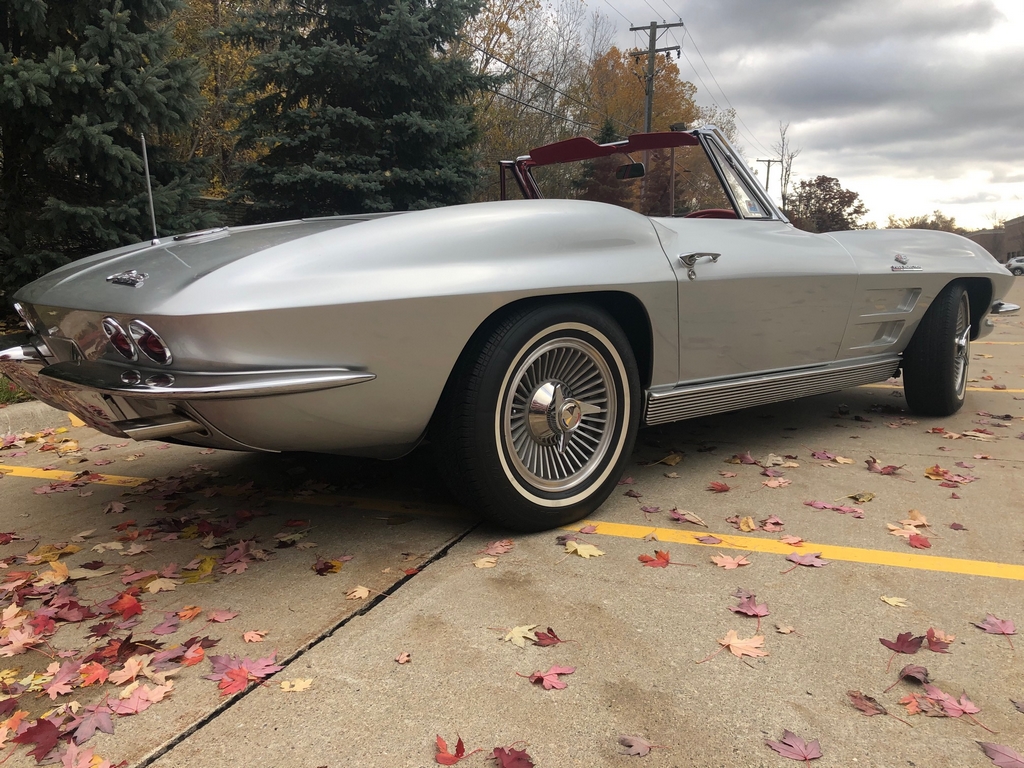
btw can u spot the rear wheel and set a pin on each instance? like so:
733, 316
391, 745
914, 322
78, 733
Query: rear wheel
935, 362
535, 428
1018, 271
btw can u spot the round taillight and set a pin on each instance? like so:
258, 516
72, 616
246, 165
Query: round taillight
149, 342
119, 339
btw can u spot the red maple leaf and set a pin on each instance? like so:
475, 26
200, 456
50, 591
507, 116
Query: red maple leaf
1002, 756
660, 560
811, 560
43, 734
917, 541
934, 644
444, 757
545, 639
905, 642
550, 678
127, 605
889, 469
510, 757
997, 626
717, 486
795, 748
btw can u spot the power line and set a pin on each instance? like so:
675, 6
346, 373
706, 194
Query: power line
546, 85
653, 9
541, 109
608, 3
671, 12
686, 32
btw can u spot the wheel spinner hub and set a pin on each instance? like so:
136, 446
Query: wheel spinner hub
555, 414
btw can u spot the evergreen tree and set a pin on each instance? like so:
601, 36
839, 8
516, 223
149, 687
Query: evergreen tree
80, 80
598, 180
360, 106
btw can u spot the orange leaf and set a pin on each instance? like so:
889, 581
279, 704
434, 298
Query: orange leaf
189, 612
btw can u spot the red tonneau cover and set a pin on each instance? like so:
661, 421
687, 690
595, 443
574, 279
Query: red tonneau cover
582, 148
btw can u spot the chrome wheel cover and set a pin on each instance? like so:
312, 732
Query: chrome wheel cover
962, 346
558, 414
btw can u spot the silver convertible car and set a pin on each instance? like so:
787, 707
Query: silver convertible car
526, 339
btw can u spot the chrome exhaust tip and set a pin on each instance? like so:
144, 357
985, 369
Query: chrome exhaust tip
158, 427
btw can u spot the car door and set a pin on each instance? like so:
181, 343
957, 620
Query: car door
756, 296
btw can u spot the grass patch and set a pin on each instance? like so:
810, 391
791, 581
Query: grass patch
12, 393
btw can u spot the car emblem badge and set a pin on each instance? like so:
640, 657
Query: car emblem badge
901, 258
131, 277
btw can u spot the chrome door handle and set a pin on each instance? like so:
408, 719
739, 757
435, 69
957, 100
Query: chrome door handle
689, 259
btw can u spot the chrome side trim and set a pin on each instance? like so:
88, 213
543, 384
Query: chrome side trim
158, 427
183, 385
687, 402
1004, 307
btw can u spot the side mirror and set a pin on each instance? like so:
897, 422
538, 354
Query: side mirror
630, 171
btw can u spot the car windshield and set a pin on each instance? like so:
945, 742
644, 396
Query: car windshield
679, 181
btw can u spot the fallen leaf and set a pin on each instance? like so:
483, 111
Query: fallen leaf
811, 559
795, 748
793, 541
583, 550
404, 657
510, 757
498, 547
717, 487
444, 757
896, 602
519, 635
739, 648
937, 642
729, 563
299, 684
1002, 756
545, 639
709, 539
637, 746
358, 592
997, 626
917, 541
254, 636
485, 562
868, 705
550, 679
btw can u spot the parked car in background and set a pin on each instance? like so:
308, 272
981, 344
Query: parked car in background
526, 340
1016, 265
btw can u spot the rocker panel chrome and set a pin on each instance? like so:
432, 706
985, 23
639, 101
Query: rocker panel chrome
688, 402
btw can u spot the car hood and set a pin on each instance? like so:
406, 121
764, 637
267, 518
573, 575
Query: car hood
169, 266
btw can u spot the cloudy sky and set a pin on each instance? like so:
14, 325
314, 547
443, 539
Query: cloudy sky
915, 104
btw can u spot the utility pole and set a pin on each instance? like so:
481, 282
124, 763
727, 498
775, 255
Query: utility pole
768, 173
651, 51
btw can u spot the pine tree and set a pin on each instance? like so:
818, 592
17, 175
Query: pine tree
360, 107
80, 80
598, 180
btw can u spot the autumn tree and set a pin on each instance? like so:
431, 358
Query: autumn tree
937, 220
822, 205
200, 30
359, 106
539, 57
80, 81
598, 181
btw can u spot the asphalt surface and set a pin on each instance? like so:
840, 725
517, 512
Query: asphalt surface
635, 634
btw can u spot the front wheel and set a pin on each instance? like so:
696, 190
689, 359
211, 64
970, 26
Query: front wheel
535, 428
936, 360
1018, 271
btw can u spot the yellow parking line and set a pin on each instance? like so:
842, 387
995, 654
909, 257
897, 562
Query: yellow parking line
969, 389
998, 342
56, 474
827, 551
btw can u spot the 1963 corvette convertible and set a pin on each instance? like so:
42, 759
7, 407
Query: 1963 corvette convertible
527, 340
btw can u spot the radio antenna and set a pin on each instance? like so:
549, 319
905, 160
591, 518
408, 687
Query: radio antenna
149, 191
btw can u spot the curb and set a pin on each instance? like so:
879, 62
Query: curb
31, 417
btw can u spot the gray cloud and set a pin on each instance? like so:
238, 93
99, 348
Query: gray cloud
895, 88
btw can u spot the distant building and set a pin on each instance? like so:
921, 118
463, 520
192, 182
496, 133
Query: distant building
1004, 243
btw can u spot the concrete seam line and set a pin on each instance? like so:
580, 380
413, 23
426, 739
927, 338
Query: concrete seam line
171, 743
